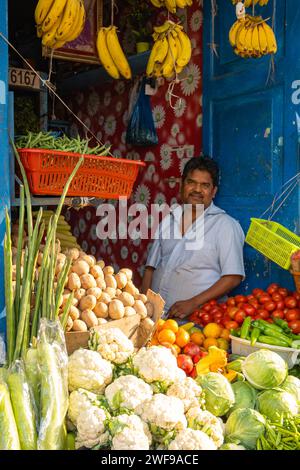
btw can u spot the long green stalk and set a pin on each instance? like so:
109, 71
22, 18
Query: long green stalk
9, 297
19, 253
61, 285
45, 305
51, 274
65, 313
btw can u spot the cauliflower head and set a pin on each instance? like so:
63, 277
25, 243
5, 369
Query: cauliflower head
157, 364
112, 344
129, 432
79, 400
127, 392
188, 391
206, 422
91, 428
190, 439
88, 370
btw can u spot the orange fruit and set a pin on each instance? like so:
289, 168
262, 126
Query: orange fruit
223, 344
154, 342
212, 330
166, 336
225, 334
170, 346
210, 342
198, 338
177, 348
182, 338
160, 324
170, 325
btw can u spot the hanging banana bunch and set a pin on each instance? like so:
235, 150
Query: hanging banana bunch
111, 53
59, 21
172, 5
252, 37
171, 51
250, 3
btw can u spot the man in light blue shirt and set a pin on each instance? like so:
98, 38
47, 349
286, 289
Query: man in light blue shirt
186, 269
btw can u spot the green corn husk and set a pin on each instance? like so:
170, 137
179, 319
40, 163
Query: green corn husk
33, 376
9, 438
22, 403
53, 362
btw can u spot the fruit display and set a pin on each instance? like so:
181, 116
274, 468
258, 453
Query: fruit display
111, 54
250, 3
59, 21
252, 37
171, 51
172, 5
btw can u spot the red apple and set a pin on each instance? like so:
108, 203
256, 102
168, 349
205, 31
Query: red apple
191, 349
185, 363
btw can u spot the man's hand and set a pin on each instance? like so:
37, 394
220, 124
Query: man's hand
182, 308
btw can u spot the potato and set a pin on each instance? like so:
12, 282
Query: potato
96, 271
87, 281
101, 310
80, 267
140, 308
116, 309
110, 291
96, 291
127, 272
101, 283
79, 325
142, 297
101, 321
79, 293
118, 292
74, 313
74, 281
108, 270
59, 267
88, 302
89, 318
69, 324
110, 281
61, 258
65, 299
105, 298
90, 260
129, 311
121, 280
150, 309
127, 299
101, 263
136, 294
72, 253
130, 288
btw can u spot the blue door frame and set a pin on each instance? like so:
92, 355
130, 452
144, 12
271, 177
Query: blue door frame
4, 150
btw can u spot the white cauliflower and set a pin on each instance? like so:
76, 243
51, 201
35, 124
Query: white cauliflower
129, 432
165, 416
88, 370
189, 439
80, 400
112, 344
157, 365
91, 428
127, 392
188, 391
206, 422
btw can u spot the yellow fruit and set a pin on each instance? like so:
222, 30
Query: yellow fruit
225, 334
160, 324
170, 325
166, 336
177, 348
210, 342
182, 338
188, 326
154, 342
223, 344
117, 53
104, 54
212, 330
198, 338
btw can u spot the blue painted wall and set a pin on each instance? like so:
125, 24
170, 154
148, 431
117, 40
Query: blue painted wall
250, 125
4, 154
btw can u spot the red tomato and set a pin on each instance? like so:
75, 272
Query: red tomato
219, 321
283, 291
206, 307
250, 297
224, 306
206, 318
257, 292
239, 317
240, 304
295, 326
240, 298
290, 302
231, 325
270, 306
278, 314
218, 315
196, 358
272, 289
269, 320
215, 310
254, 303
264, 298
280, 305
274, 285
226, 318
264, 314
191, 349
212, 303
293, 314
230, 302
296, 295
185, 363
193, 374
249, 309
231, 311
277, 297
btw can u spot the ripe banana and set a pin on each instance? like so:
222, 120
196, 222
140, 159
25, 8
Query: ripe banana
41, 10
271, 39
252, 37
104, 54
171, 5
181, 3
186, 49
70, 15
117, 53
53, 14
158, 3
49, 37
158, 54
78, 25
249, 3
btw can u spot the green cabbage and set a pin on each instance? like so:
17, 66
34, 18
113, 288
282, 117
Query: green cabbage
245, 396
264, 369
244, 426
274, 403
292, 385
231, 446
218, 393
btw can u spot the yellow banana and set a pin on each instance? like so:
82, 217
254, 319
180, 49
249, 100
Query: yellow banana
255, 40
117, 53
169, 64
53, 14
49, 37
240, 43
157, 70
158, 54
164, 27
157, 3
78, 28
262, 39
233, 31
42, 10
171, 5
189, 2
104, 54
69, 18
187, 326
271, 39
181, 3
248, 41
184, 56
39, 31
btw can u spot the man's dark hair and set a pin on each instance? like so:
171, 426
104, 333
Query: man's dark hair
203, 163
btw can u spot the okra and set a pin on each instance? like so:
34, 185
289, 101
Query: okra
272, 341
245, 328
254, 335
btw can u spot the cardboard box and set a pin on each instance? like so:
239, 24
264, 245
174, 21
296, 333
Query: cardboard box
133, 327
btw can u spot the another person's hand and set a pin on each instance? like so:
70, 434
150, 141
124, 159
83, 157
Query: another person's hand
182, 308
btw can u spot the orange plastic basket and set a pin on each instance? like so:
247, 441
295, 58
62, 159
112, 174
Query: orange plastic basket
103, 177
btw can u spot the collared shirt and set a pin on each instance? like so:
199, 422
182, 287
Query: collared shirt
181, 272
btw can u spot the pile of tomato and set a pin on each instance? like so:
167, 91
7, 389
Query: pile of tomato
276, 301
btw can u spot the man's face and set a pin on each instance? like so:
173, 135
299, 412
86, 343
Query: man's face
198, 188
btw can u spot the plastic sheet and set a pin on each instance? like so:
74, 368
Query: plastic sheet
9, 437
